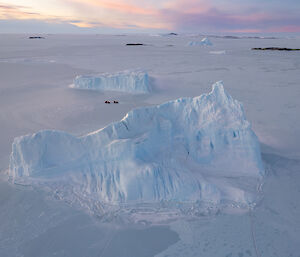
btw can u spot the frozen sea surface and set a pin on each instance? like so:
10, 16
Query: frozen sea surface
34, 224
34, 95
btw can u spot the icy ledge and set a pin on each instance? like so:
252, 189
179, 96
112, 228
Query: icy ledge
190, 150
129, 81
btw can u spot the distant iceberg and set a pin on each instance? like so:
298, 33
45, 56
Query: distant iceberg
129, 81
190, 150
204, 42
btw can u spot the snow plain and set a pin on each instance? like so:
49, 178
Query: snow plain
34, 95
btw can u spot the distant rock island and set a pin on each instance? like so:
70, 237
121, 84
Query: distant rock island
134, 44
34, 37
276, 49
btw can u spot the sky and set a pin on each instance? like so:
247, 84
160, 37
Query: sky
114, 16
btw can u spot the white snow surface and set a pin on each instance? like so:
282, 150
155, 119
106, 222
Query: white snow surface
190, 150
204, 42
130, 81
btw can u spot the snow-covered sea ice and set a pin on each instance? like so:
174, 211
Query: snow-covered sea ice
34, 96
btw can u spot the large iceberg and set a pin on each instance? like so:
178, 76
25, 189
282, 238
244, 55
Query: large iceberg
136, 81
190, 150
204, 42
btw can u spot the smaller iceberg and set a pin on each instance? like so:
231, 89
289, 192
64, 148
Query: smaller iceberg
129, 81
204, 42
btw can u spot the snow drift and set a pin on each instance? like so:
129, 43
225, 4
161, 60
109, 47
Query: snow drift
218, 52
125, 81
199, 149
204, 42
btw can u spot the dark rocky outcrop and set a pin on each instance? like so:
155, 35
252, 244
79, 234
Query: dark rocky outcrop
276, 49
134, 44
38, 37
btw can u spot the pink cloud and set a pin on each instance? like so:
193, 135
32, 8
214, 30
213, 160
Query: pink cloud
208, 18
244, 31
289, 28
188, 6
180, 15
119, 6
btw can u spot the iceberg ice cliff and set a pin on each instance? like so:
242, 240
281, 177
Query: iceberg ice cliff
189, 150
125, 81
204, 42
